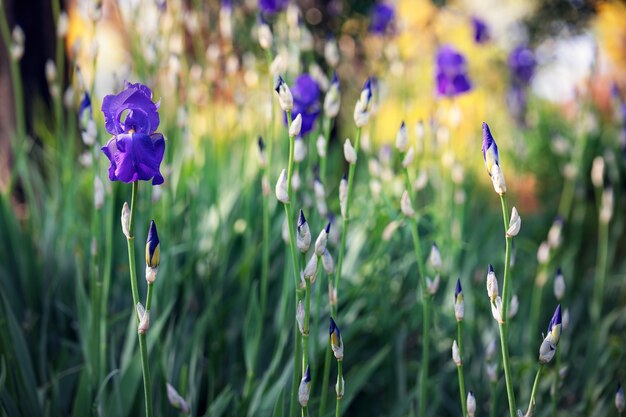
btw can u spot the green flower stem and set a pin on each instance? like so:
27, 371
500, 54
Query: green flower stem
601, 267
494, 399
143, 346
327, 123
305, 333
339, 387
305, 411
326, 375
346, 221
294, 258
531, 403
460, 368
557, 380
505, 308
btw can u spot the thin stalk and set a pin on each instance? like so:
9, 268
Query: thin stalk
265, 266
531, 403
494, 398
601, 267
460, 368
507, 369
339, 387
327, 123
143, 346
557, 380
346, 220
326, 375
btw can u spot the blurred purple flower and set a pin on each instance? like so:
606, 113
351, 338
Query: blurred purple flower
272, 6
522, 64
306, 94
481, 30
381, 19
136, 150
451, 72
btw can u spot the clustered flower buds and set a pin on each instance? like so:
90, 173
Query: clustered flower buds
551, 340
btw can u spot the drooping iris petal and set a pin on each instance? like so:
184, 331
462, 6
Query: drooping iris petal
451, 72
135, 102
135, 157
381, 19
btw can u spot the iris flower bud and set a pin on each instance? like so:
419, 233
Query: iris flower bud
303, 240
514, 307
456, 357
405, 205
496, 310
432, 285
126, 220
459, 305
559, 285
402, 138
471, 404
551, 341
321, 146
144, 319
300, 316
343, 195
296, 126
262, 154
435, 257
281, 188
336, 342
265, 36
153, 251
409, 157
349, 152
305, 388
597, 172
328, 262
285, 99
311, 268
331, 53
322, 240
490, 150
492, 284
362, 107
514, 224
299, 150
554, 234
332, 100
340, 390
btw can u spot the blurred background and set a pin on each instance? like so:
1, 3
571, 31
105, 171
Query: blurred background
548, 76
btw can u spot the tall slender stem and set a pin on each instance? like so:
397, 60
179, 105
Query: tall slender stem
143, 345
507, 369
531, 403
460, 368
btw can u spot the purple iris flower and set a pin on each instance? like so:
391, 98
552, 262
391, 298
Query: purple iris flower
136, 149
272, 6
381, 19
451, 72
481, 30
306, 95
522, 64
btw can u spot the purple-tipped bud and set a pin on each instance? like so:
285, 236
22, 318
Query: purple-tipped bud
303, 239
458, 290
305, 388
327, 228
459, 305
336, 342
620, 404
555, 326
153, 252
490, 149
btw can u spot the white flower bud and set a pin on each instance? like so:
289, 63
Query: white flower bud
151, 273
311, 268
492, 371
296, 126
497, 177
597, 172
456, 357
361, 113
51, 71
176, 400
303, 392
496, 310
565, 318
490, 350
348, 152
459, 309
265, 36
62, 25
285, 99
281, 188
492, 285
300, 316
559, 285
543, 253
435, 257
606, 206
343, 196
332, 101
620, 404
17, 47
144, 319
285, 231
421, 181
340, 390
328, 262
321, 146
405, 205
471, 404
554, 234
331, 53
296, 182
432, 285
321, 241
299, 150
402, 138
126, 220
546, 350
409, 157
303, 239
514, 224
90, 133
